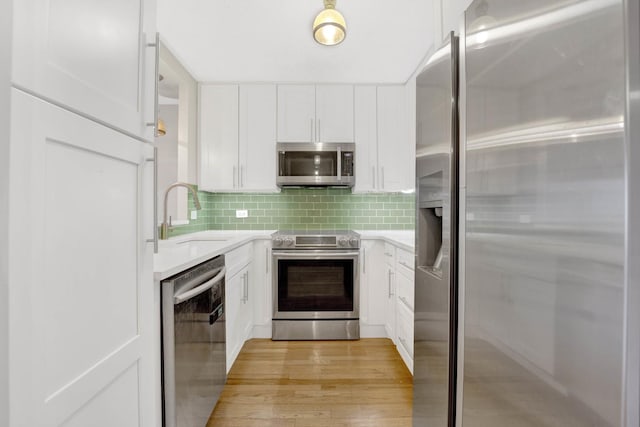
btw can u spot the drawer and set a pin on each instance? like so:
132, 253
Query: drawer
238, 258
404, 327
390, 254
405, 289
406, 260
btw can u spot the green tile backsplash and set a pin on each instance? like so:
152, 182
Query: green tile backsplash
302, 209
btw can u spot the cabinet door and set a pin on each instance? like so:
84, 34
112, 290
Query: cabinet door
257, 148
390, 303
234, 295
88, 55
334, 113
261, 288
373, 284
81, 303
394, 147
296, 113
218, 140
245, 320
366, 138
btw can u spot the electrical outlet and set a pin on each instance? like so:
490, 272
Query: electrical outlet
194, 214
242, 213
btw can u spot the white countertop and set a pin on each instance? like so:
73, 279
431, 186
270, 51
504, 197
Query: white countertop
400, 238
180, 253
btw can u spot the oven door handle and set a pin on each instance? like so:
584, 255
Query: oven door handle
312, 255
177, 299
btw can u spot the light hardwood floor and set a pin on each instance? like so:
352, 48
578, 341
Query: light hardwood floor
316, 383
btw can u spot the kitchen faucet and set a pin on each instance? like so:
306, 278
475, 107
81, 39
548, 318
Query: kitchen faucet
164, 228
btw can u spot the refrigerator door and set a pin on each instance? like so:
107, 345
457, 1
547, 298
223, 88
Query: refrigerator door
435, 285
545, 213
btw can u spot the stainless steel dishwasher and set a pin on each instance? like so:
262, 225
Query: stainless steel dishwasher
193, 343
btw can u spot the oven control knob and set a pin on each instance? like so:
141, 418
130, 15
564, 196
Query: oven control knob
354, 242
277, 241
343, 241
288, 241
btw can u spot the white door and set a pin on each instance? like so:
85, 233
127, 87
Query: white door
218, 138
257, 147
334, 113
296, 113
366, 138
81, 302
394, 148
88, 55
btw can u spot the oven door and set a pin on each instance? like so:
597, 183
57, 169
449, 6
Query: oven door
315, 284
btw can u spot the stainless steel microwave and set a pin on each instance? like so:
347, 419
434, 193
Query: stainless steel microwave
322, 164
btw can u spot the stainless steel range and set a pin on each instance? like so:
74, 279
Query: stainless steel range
316, 288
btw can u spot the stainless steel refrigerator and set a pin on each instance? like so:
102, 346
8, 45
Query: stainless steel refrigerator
524, 318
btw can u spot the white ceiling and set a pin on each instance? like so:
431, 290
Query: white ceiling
271, 41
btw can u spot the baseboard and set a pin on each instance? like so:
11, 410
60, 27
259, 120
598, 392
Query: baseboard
262, 331
373, 331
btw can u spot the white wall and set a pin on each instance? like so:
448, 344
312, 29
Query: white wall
452, 14
5, 106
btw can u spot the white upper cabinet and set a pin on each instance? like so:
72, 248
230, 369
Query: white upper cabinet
322, 113
296, 113
90, 56
257, 145
384, 159
334, 113
237, 138
366, 138
395, 161
218, 137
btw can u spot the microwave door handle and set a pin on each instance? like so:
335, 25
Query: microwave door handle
201, 288
339, 163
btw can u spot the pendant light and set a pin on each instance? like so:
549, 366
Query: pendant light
329, 27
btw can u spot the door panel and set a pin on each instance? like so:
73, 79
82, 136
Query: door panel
81, 276
91, 63
545, 220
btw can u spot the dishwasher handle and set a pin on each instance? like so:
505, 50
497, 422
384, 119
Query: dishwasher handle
177, 299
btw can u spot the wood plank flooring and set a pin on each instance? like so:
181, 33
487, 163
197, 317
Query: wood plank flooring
316, 384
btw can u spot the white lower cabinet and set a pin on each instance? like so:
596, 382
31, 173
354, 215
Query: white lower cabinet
261, 289
373, 289
387, 295
238, 300
404, 330
404, 309
390, 300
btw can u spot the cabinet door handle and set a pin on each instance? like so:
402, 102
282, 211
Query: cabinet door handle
246, 287
266, 256
319, 139
156, 107
390, 291
404, 300
155, 200
311, 139
382, 177
364, 261
241, 176
404, 343
373, 176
